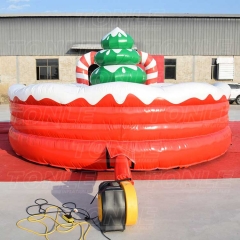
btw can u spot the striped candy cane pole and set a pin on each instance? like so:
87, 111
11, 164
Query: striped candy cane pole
150, 67
83, 64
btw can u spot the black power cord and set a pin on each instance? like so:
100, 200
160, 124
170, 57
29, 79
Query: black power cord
42, 204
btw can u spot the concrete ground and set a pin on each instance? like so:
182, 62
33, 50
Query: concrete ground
234, 113
169, 209
4, 113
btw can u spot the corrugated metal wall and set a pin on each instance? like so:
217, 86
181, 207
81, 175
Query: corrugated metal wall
167, 36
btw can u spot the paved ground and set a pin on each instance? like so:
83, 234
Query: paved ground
4, 113
169, 210
234, 113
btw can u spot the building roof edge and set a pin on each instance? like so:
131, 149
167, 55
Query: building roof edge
148, 15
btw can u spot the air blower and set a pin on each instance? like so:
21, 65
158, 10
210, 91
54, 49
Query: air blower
117, 205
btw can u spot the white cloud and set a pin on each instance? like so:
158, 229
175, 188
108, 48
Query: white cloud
17, 7
16, 1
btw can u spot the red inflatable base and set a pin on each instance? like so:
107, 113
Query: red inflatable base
158, 135
145, 155
14, 168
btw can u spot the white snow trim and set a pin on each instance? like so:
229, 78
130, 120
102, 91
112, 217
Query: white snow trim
151, 65
152, 75
115, 32
114, 50
117, 50
114, 68
82, 75
81, 65
66, 93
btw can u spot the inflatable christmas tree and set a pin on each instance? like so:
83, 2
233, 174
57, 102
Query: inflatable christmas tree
117, 61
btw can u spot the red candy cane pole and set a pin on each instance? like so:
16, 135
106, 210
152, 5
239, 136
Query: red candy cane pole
83, 64
150, 66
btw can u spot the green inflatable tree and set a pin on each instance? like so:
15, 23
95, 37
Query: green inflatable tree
117, 61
